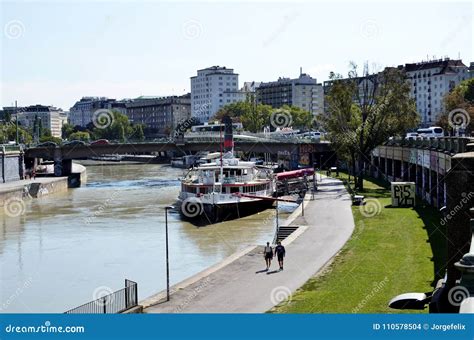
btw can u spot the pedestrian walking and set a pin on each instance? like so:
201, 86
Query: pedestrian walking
280, 254
268, 254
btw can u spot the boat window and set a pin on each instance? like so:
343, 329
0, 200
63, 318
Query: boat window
234, 189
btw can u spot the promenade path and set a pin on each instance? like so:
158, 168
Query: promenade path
239, 284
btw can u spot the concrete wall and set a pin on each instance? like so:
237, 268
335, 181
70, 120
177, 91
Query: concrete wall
33, 189
427, 168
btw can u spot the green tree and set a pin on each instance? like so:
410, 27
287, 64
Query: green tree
114, 126
256, 118
80, 135
460, 102
364, 111
8, 133
233, 110
300, 119
66, 130
138, 133
50, 138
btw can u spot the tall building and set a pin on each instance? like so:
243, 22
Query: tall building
82, 112
430, 82
161, 114
212, 88
304, 92
51, 118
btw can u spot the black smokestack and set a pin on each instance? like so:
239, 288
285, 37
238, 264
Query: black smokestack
228, 137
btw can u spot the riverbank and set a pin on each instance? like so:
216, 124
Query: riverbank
392, 251
240, 284
16, 191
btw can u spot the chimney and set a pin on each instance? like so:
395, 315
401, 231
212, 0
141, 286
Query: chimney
228, 136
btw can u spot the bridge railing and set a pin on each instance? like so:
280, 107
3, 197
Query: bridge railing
447, 144
5, 148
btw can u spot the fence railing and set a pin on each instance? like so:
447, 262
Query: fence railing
448, 144
113, 303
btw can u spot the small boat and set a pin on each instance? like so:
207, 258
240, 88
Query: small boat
226, 188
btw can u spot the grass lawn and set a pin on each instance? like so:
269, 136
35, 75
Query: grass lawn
397, 250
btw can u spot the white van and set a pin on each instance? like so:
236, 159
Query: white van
432, 131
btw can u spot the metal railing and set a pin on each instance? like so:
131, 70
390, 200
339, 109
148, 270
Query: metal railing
447, 144
116, 302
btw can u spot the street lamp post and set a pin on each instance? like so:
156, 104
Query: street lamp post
167, 254
321, 168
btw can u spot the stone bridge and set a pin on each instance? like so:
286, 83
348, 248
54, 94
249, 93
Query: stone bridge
300, 152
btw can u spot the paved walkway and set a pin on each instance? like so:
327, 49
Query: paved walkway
238, 285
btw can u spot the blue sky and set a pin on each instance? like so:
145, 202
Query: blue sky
58, 51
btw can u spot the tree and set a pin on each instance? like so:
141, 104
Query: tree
300, 119
8, 133
255, 119
50, 138
79, 135
459, 108
233, 110
364, 111
114, 126
138, 133
66, 130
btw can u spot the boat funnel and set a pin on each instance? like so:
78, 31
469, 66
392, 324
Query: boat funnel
228, 136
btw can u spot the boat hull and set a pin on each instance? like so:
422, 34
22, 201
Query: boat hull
214, 213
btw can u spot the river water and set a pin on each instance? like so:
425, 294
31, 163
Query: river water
68, 248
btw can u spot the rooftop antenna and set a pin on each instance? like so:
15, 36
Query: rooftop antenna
301, 70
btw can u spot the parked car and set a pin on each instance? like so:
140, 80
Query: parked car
100, 142
75, 143
47, 145
413, 135
432, 131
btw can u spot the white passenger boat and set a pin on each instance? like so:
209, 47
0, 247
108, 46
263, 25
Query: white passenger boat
226, 188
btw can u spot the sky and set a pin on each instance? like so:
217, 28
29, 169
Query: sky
56, 52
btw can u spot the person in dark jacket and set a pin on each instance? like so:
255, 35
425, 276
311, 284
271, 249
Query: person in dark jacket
280, 254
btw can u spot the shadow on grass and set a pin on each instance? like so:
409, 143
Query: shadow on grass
431, 218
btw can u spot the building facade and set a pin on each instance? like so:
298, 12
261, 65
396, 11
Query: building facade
159, 113
212, 88
51, 118
430, 82
304, 92
82, 112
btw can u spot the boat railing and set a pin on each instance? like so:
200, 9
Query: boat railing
237, 179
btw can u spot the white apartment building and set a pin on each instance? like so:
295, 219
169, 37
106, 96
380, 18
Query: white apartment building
430, 82
51, 118
212, 88
304, 92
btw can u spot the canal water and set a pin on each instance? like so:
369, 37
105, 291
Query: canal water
68, 249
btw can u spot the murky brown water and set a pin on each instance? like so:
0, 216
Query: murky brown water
66, 246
